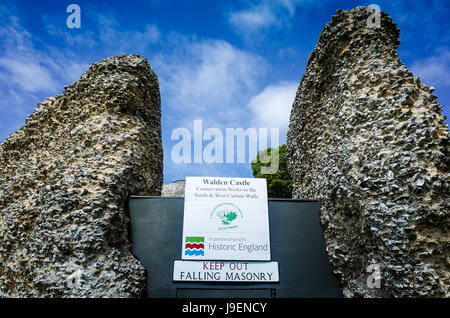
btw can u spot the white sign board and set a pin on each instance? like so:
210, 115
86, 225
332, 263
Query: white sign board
222, 271
226, 219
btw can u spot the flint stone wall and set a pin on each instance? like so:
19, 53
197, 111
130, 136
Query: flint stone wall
368, 140
175, 189
65, 178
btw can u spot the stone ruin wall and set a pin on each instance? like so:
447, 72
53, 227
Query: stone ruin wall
64, 181
368, 140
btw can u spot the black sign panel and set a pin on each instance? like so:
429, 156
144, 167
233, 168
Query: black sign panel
296, 239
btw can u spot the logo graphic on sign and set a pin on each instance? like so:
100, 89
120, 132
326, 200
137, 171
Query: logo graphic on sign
195, 246
227, 213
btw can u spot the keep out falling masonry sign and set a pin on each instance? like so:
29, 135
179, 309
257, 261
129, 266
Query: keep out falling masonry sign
226, 219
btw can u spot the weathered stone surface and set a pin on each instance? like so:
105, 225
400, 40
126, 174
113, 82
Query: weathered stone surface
175, 189
65, 178
369, 141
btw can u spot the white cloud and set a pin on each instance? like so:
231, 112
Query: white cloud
210, 79
434, 70
253, 18
290, 5
272, 107
266, 14
29, 75
31, 69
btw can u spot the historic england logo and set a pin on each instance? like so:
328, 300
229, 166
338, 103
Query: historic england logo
194, 245
227, 214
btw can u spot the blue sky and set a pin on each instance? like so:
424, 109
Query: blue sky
229, 63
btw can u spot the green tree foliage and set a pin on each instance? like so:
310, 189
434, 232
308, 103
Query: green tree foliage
279, 184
